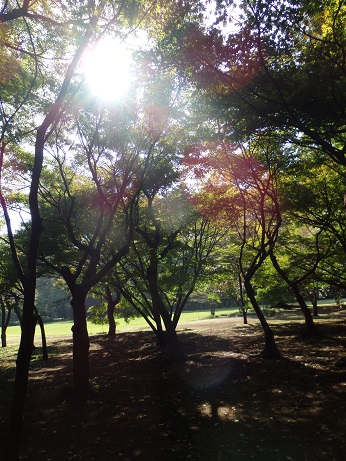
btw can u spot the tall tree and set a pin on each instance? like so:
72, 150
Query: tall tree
88, 199
48, 42
243, 192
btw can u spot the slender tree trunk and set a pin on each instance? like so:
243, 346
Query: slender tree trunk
111, 304
3, 338
5, 319
242, 304
43, 335
270, 350
314, 300
13, 440
28, 277
314, 309
28, 318
80, 346
244, 312
18, 314
112, 326
3, 325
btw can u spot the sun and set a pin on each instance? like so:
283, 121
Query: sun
107, 69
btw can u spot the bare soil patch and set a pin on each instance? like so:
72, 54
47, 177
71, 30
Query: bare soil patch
223, 403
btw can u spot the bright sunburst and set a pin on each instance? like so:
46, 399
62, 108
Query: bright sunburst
107, 70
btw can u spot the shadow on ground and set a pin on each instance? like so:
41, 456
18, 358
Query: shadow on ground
223, 403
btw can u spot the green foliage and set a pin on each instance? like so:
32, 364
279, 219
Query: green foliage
97, 314
52, 301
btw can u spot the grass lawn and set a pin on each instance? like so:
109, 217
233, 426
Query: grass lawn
63, 328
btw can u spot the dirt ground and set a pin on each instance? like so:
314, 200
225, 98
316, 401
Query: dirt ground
224, 403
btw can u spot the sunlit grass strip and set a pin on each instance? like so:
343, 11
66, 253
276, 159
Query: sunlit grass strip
63, 328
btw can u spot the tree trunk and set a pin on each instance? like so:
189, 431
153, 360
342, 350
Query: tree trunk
161, 337
3, 338
5, 320
270, 350
309, 327
241, 300
80, 346
112, 326
43, 335
244, 312
3, 325
168, 339
111, 304
13, 440
314, 300
173, 350
314, 309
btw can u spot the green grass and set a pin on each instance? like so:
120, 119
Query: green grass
63, 328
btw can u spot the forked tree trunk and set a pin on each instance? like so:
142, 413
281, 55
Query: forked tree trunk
310, 327
244, 312
168, 339
80, 346
270, 350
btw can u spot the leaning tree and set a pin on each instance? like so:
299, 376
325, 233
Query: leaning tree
238, 189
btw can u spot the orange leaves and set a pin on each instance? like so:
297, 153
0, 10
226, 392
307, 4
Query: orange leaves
221, 176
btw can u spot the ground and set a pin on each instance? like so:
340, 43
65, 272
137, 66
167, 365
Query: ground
223, 403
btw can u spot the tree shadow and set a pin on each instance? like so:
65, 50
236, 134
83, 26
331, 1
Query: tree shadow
224, 402
233, 408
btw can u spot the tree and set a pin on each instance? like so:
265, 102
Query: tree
275, 68
91, 209
239, 190
299, 266
313, 198
170, 248
52, 300
41, 92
